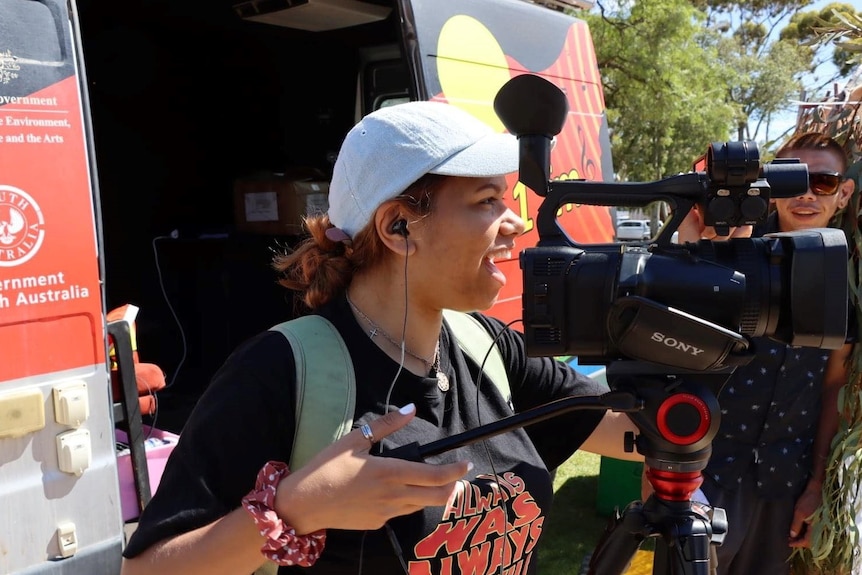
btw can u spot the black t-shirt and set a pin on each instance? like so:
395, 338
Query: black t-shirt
246, 418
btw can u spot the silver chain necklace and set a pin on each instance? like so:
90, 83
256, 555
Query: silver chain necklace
430, 366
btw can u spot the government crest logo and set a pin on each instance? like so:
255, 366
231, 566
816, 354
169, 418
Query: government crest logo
22, 226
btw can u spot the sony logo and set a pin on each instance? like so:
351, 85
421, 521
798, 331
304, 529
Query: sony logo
676, 344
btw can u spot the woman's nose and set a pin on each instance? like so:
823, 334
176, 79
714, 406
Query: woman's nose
512, 224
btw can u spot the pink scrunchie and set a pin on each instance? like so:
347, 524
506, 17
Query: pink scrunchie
283, 546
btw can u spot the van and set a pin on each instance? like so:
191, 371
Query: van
154, 155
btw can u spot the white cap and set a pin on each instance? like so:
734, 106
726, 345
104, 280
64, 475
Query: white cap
388, 150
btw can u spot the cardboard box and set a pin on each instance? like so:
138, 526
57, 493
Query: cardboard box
158, 448
275, 205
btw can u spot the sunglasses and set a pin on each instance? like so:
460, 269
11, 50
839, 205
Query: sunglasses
824, 183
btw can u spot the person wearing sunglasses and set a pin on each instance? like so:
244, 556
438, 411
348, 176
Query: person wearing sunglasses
779, 412
828, 189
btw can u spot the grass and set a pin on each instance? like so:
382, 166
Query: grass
574, 525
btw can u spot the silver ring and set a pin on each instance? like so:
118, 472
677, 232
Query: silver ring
365, 429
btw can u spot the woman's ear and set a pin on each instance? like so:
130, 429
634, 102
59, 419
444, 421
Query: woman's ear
392, 228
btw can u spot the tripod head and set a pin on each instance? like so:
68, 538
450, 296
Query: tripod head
679, 419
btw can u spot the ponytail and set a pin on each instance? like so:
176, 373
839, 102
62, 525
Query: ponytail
321, 268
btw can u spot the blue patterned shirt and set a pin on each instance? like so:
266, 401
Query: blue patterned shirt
769, 414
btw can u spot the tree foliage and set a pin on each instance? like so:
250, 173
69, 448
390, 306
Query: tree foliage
807, 27
663, 89
768, 70
835, 543
679, 74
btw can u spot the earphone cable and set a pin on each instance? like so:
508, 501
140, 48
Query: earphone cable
403, 332
396, 547
485, 442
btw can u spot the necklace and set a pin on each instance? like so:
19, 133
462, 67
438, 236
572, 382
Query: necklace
430, 364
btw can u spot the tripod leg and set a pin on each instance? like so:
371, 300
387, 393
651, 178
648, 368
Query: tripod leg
689, 555
660, 562
619, 543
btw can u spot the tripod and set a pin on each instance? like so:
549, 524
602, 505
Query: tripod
677, 423
677, 415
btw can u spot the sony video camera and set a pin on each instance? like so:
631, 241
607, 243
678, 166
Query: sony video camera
690, 306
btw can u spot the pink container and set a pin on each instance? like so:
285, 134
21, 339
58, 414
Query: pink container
159, 446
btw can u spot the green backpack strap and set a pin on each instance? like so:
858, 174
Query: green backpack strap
474, 340
325, 385
325, 391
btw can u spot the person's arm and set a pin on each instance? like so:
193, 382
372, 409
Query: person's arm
342, 487
834, 378
608, 437
229, 545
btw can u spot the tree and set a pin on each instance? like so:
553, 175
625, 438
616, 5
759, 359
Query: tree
805, 28
768, 71
769, 43
663, 88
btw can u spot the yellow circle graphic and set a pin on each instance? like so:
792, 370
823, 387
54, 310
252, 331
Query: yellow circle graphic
471, 67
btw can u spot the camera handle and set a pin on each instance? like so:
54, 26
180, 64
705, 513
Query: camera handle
615, 401
677, 419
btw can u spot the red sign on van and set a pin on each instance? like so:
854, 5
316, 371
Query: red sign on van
50, 298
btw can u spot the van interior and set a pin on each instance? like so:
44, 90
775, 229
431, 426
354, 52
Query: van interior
187, 97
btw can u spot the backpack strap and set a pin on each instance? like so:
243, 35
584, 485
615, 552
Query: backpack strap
325, 385
475, 341
326, 382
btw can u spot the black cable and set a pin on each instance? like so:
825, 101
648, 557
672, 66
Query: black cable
403, 334
171, 309
168, 383
485, 442
389, 531
396, 547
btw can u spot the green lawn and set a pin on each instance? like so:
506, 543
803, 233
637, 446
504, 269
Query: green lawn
574, 526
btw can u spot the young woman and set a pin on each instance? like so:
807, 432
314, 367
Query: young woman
416, 223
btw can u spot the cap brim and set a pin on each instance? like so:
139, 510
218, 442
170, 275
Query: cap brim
493, 155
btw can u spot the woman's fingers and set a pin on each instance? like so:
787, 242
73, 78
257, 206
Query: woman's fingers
372, 432
402, 471
347, 487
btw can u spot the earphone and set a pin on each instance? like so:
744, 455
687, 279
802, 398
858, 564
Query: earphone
400, 227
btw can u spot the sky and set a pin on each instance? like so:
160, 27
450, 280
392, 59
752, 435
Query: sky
788, 119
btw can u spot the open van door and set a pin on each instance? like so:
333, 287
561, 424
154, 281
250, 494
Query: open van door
463, 52
59, 492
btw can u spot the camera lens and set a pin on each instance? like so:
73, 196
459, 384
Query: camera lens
687, 306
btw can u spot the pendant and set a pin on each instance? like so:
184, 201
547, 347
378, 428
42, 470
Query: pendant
442, 381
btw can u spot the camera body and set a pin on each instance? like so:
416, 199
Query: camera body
689, 307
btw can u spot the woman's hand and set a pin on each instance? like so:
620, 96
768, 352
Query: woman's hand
345, 487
